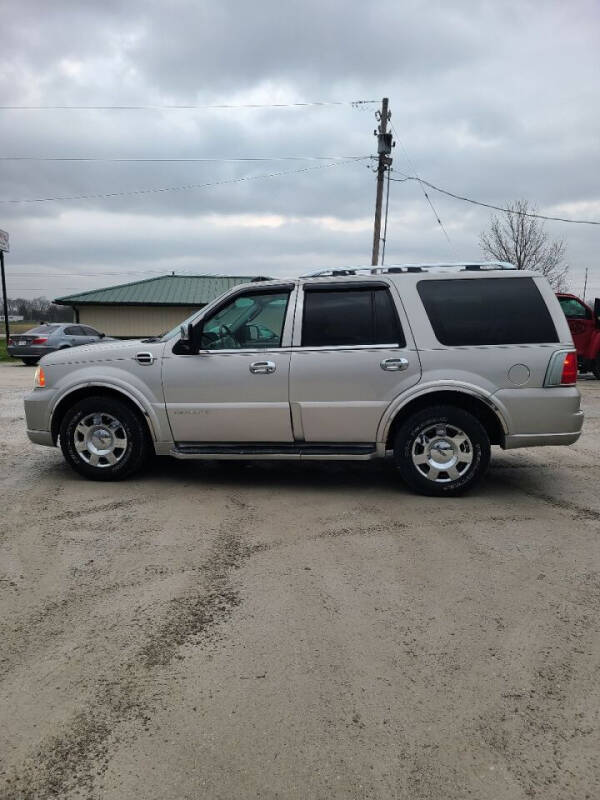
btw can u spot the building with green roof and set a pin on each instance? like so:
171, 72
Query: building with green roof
148, 307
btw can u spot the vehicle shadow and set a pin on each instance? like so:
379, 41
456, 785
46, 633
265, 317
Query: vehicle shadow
346, 475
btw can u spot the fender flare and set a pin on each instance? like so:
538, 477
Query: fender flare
148, 413
396, 406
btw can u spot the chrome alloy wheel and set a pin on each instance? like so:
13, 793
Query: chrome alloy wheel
442, 453
100, 440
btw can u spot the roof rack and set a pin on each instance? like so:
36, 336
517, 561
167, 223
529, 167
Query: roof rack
462, 266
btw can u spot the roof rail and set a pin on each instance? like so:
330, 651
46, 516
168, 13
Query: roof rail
464, 266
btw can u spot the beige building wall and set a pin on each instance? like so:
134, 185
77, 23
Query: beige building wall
133, 320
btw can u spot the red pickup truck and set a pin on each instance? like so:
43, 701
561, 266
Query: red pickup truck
584, 322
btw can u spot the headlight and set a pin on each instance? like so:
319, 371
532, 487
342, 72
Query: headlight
39, 379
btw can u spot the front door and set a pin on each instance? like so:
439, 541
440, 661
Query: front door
235, 389
353, 357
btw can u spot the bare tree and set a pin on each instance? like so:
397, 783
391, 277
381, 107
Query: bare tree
523, 241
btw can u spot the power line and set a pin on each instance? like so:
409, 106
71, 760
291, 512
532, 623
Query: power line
187, 187
385, 223
20, 274
204, 107
411, 165
496, 208
102, 159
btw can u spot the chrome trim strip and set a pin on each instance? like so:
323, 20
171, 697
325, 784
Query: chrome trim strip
273, 456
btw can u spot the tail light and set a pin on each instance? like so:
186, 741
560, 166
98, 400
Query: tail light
11, 341
569, 370
40, 340
39, 379
562, 369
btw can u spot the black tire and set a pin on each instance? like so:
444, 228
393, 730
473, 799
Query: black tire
596, 368
411, 444
30, 362
131, 430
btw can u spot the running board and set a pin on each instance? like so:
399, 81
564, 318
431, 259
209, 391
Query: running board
291, 451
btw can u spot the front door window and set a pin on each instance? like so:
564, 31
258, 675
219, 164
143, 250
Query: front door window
250, 322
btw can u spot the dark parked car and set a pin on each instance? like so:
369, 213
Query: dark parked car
48, 337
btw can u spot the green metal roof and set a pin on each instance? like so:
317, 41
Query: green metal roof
166, 290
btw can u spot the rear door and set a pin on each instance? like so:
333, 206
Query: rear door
353, 354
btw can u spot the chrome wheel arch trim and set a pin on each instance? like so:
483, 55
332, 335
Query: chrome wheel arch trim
148, 412
421, 390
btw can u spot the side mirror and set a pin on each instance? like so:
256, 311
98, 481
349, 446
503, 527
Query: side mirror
190, 337
101, 335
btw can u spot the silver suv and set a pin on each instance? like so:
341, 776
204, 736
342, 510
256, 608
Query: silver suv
427, 365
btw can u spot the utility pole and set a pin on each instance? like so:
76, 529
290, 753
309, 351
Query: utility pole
4, 248
585, 283
384, 148
4, 297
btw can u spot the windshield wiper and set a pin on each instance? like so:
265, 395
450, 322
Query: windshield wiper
153, 338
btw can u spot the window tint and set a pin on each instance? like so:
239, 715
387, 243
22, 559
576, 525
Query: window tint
89, 331
481, 311
334, 317
250, 321
73, 331
573, 309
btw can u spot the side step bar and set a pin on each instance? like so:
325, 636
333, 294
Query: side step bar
270, 450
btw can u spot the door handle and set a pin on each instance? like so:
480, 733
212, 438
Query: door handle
262, 367
394, 364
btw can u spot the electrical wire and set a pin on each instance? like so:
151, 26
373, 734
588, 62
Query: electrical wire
84, 274
157, 190
118, 159
494, 207
385, 224
206, 107
411, 165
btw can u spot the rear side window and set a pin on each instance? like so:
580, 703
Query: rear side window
480, 311
349, 317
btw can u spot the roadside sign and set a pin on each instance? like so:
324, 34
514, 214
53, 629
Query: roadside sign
4, 242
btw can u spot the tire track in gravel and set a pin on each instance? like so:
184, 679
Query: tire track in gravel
576, 511
35, 628
80, 752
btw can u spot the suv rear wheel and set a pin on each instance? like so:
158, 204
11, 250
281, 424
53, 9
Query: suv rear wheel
442, 451
104, 439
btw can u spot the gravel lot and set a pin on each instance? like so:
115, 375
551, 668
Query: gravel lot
298, 631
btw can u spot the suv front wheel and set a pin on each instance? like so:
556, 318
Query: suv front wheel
442, 451
104, 439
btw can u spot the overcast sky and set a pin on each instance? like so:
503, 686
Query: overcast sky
494, 100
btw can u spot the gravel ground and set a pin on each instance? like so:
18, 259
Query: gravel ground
228, 630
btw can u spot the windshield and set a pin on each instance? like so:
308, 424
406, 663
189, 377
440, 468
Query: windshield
164, 337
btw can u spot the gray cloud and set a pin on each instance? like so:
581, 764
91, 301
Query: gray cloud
492, 100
